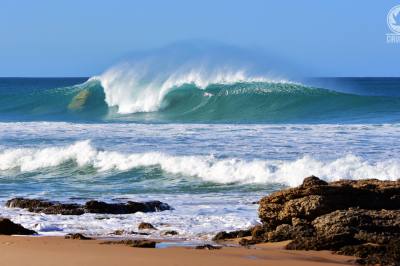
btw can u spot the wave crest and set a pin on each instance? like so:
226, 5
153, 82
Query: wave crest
136, 88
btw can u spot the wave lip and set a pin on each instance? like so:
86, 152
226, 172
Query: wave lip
207, 168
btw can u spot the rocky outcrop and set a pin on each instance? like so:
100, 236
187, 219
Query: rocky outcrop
93, 206
7, 227
359, 218
316, 197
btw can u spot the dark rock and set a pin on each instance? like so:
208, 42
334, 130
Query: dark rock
47, 207
77, 236
119, 242
7, 227
258, 232
281, 233
132, 243
171, 232
30, 204
93, 206
139, 233
143, 244
364, 252
312, 181
247, 242
375, 254
229, 235
148, 226
393, 251
208, 247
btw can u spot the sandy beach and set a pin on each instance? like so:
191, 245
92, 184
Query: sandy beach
43, 251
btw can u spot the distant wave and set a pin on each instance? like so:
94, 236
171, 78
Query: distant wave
207, 168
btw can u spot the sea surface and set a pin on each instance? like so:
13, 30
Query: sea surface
209, 145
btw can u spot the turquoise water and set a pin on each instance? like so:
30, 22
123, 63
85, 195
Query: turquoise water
208, 147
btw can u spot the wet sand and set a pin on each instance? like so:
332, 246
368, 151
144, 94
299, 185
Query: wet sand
51, 251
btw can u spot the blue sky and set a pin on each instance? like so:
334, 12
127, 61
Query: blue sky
82, 38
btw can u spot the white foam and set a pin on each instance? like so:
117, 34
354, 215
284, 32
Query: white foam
194, 218
208, 168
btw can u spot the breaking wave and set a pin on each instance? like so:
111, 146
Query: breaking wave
207, 168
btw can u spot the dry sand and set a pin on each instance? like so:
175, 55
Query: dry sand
52, 251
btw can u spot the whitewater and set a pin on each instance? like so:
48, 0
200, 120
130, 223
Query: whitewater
210, 173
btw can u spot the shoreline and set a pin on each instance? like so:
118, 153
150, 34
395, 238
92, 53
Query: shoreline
315, 223
46, 250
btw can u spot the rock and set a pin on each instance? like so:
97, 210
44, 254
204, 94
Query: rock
143, 244
148, 226
119, 242
171, 233
133, 243
374, 255
392, 255
316, 197
77, 236
119, 232
7, 227
247, 242
208, 247
229, 235
281, 233
42, 206
93, 206
139, 233
370, 226
313, 181
258, 233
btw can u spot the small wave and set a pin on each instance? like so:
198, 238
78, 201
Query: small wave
207, 168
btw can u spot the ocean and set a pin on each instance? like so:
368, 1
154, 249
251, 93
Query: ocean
209, 145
